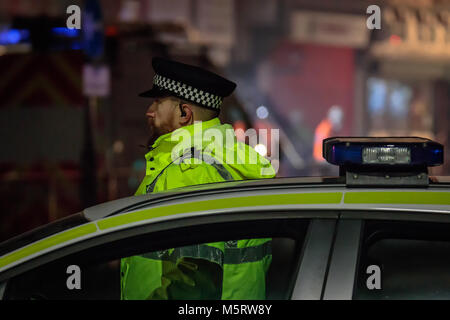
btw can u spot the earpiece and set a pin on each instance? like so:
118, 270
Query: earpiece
183, 113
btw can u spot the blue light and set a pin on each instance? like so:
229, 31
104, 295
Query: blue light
66, 32
75, 46
13, 36
349, 151
345, 155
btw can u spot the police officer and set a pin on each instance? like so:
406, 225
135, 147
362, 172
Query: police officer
183, 113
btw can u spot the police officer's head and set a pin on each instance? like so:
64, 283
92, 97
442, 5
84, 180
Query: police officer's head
182, 94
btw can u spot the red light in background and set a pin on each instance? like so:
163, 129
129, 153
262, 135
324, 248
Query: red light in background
111, 31
395, 39
239, 128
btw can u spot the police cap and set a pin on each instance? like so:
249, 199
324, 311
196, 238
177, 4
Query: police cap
187, 82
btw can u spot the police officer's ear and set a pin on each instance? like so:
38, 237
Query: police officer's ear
186, 114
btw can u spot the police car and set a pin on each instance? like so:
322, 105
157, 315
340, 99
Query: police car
381, 230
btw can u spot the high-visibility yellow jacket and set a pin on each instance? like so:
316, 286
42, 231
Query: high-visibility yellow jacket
204, 152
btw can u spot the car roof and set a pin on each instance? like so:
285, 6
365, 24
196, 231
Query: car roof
118, 206
310, 193
98, 211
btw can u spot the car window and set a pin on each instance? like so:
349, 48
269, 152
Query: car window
257, 267
411, 260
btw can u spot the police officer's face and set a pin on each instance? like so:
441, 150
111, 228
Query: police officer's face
162, 117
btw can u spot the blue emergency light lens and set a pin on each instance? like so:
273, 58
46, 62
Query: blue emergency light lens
383, 151
66, 32
13, 36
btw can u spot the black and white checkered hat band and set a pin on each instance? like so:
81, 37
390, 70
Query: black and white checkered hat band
188, 92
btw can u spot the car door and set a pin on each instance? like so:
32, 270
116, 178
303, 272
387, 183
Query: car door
382, 255
301, 243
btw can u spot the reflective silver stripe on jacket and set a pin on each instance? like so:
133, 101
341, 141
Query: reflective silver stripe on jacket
209, 160
247, 254
196, 155
199, 251
233, 254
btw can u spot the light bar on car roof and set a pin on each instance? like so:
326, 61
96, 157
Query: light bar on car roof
389, 151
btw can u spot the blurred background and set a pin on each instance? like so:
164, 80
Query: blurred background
72, 126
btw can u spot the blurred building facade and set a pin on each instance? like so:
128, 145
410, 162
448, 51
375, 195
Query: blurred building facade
74, 138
